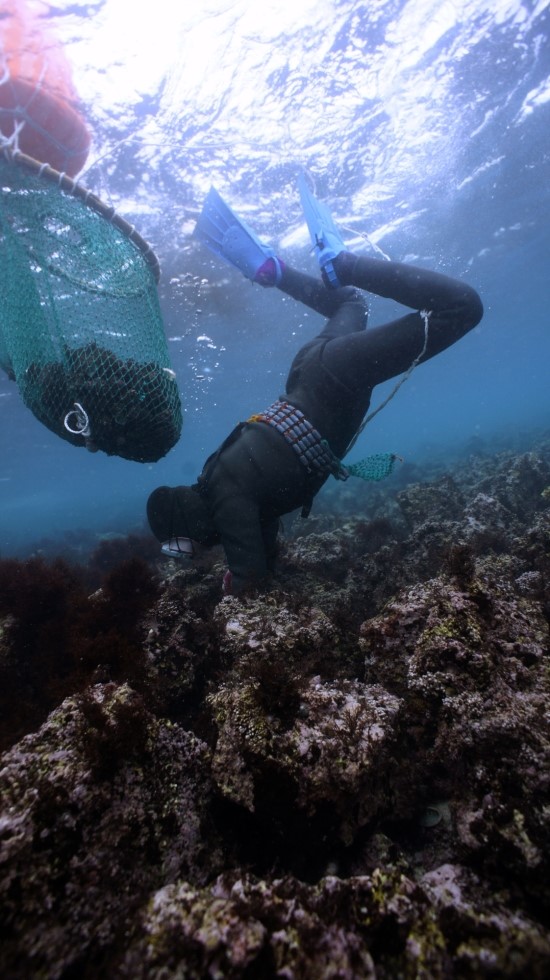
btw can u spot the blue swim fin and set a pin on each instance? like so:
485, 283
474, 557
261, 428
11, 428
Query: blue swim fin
227, 236
324, 234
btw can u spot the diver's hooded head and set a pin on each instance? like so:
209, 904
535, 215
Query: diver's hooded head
180, 512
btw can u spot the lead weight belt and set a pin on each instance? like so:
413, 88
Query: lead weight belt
312, 450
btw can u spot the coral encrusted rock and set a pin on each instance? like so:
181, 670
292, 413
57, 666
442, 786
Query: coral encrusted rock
365, 928
470, 667
102, 805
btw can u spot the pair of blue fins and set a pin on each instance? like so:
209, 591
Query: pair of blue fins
219, 228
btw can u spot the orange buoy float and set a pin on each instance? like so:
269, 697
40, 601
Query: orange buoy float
38, 102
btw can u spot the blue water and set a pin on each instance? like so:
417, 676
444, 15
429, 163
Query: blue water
425, 125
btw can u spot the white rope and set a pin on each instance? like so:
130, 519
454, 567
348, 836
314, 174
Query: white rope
425, 314
12, 142
81, 423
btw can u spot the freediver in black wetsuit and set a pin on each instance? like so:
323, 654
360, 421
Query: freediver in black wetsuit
278, 460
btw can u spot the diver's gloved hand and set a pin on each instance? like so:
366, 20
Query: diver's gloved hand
236, 585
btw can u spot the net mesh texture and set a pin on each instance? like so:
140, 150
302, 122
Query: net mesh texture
375, 468
80, 321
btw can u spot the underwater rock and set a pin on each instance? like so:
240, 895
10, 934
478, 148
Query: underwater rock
266, 626
102, 805
524, 483
347, 776
326, 553
470, 669
383, 925
487, 523
421, 502
530, 584
176, 639
331, 755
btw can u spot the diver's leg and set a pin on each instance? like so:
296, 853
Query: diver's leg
445, 310
350, 317
346, 304
408, 285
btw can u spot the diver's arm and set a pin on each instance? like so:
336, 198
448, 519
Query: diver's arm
270, 534
237, 520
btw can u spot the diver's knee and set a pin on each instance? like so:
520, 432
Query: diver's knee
476, 308
350, 294
472, 308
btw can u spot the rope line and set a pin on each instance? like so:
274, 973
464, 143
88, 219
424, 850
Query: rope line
425, 314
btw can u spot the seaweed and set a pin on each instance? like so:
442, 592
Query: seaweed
56, 637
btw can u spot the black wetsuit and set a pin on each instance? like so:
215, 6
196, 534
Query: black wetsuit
256, 477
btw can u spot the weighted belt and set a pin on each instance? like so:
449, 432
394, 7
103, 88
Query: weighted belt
312, 450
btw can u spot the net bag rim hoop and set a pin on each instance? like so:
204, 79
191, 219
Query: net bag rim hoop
75, 189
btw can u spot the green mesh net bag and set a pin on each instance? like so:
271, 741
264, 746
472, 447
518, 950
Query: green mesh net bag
375, 468
81, 329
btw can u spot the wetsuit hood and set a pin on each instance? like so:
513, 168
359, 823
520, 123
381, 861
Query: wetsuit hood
180, 511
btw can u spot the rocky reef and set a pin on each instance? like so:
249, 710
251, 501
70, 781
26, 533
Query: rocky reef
344, 777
